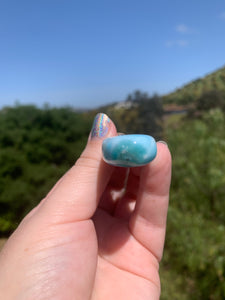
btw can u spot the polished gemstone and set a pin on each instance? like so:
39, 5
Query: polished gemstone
131, 150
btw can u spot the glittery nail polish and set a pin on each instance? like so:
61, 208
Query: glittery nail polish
100, 126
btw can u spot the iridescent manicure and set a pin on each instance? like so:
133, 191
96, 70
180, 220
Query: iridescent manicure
100, 126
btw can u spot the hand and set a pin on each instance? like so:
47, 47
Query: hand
86, 240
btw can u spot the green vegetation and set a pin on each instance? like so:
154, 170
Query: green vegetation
195, 244
38, 145
214, 82
36, 148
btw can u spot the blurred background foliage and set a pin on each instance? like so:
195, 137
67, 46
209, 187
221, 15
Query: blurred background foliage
38, 145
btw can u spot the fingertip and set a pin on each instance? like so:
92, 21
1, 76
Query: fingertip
156, 176
148, 221
163, 153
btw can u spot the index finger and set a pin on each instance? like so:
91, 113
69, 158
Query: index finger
148, 221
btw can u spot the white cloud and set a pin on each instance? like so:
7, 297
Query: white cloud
184, 29
181, 28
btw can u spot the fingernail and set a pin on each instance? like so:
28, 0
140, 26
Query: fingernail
100, 126
163, 142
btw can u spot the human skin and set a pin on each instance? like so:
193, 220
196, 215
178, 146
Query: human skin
91, 238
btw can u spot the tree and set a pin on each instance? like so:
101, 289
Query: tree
211, 99
145, 116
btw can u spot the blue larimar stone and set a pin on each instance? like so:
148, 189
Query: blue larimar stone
131, 150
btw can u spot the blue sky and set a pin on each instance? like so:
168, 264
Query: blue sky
88, 53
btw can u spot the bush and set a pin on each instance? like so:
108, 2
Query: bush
36, 147
194, 250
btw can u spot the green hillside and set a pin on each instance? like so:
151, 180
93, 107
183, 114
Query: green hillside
213, 82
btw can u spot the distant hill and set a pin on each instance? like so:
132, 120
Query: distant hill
213, 82
202, 93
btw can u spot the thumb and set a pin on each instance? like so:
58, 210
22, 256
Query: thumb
76, 195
